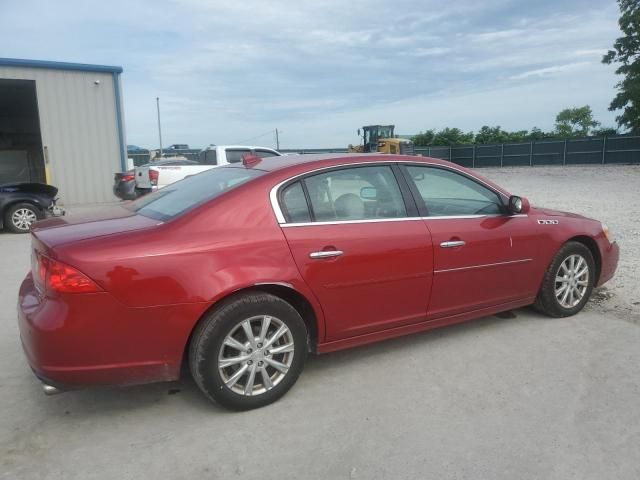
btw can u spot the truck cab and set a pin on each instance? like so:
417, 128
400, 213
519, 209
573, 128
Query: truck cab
152, 177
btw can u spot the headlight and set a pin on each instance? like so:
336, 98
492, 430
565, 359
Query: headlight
607, 233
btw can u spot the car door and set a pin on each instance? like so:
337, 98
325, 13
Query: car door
482, 255
360, 246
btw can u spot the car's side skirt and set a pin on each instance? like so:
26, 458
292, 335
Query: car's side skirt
419, 327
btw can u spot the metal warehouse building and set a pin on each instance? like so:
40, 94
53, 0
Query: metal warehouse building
62, 124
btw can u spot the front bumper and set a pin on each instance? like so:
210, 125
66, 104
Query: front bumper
125, 190
610, 258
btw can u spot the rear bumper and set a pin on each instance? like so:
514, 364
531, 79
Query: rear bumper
55, 211
125, 190
91, 339
610, 257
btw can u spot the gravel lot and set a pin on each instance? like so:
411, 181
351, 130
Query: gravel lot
520, 396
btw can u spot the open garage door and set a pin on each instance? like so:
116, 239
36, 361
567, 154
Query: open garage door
21, 157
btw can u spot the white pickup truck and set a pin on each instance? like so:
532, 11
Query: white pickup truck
151, 177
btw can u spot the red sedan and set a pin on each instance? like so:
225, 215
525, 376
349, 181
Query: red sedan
241, 270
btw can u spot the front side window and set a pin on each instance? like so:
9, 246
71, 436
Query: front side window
235, 156
448, 193
360, 193
174, 199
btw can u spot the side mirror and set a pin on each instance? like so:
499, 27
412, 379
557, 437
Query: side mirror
368, 193
358, 132
518, 205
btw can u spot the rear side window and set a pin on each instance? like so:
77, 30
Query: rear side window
294, 204
177, 198
361, 193
235, 156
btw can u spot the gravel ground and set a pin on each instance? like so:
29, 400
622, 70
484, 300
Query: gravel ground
516, 396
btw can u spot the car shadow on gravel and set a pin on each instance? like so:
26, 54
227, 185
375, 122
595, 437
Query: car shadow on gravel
419, 340
185, 394
108, 401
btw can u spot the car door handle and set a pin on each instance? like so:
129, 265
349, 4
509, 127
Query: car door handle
325, 254
452, 243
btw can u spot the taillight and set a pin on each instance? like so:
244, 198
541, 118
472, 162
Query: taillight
153, 177
128, 176
58, 277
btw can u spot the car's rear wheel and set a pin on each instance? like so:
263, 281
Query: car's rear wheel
568, 281
249, 351
21, 216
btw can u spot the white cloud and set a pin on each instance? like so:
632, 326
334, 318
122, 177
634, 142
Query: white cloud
319, 70
552, 70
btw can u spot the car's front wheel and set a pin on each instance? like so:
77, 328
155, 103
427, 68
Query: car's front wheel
568, 281
21, 216
249, 351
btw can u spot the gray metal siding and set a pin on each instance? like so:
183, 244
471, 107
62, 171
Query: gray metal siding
79, 131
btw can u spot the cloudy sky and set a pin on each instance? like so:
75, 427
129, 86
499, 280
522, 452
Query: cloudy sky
232, 71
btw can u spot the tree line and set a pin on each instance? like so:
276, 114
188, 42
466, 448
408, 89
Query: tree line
573, 122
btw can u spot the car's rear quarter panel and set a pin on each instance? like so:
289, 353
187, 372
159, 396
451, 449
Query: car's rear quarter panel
160, 281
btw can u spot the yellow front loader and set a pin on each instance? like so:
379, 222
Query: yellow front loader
381, 139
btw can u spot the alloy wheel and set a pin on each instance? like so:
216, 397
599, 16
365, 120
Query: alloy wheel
23, 218
572, 281
256, 355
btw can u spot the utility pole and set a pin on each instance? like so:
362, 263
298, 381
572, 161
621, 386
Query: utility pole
277, 140
159, 126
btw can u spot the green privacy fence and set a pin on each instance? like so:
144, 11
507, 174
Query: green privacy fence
578, 151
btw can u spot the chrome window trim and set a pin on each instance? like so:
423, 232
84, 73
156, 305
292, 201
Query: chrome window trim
275, 205
342, 222
397, 219
470, 267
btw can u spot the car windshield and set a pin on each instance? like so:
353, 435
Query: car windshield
181, 196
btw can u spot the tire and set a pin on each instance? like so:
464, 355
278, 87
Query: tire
220, 341
20, 216
555, 301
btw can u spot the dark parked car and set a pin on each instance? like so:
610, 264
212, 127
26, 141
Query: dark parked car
21, 204
124, 185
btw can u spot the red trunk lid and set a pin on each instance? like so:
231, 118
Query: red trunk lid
107, 221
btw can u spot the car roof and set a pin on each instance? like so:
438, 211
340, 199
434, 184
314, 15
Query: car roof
250, 147
273, 164
293, 165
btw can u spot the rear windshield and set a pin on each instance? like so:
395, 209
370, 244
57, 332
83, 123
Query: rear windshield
181, 196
